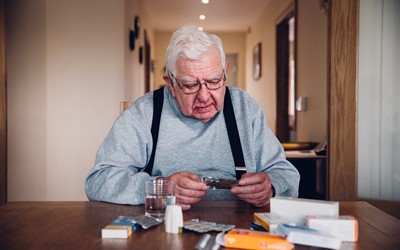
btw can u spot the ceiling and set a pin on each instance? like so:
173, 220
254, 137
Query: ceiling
221, 15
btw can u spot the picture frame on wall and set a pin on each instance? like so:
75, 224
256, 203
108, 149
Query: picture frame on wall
257, 61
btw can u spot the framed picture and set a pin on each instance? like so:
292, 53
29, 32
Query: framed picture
257, 61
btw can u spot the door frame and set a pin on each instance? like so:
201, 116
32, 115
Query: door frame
3, 107
342, 99
283, 76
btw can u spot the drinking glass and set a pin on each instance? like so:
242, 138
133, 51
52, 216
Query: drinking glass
158, 194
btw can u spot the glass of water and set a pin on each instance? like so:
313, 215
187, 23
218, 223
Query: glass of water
157, 195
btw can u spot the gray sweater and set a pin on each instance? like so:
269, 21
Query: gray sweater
185, 144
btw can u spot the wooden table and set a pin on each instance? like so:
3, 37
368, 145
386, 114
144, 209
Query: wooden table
77, 225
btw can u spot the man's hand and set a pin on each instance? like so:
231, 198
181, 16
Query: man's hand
189, 190
254, 188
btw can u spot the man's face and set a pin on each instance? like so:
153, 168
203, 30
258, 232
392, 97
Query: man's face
206, 103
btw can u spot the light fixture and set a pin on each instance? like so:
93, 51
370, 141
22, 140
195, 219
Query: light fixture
204, 1
202, 17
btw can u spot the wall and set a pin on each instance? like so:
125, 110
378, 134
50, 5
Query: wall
378, 102
233, 42
26, 96
263, 30
311, 71
134, 73
311, 65
161, 41
68, 68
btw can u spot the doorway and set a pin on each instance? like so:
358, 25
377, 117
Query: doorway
286, 79
233, 69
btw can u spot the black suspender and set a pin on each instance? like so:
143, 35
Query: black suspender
233, 134
231, 126
158, 100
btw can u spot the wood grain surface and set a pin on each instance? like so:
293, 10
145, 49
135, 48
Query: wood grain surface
342, 88
77, 225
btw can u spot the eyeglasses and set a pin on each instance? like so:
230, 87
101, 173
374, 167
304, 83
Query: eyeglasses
192, 87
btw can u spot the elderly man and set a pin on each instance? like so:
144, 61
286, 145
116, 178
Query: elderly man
206, 129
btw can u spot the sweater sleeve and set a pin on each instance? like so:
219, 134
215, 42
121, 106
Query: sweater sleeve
116, 175
270, 158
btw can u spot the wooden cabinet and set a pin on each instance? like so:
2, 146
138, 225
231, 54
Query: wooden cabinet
312, 169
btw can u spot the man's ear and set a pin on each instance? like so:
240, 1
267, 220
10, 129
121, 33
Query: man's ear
170, 84
227, 67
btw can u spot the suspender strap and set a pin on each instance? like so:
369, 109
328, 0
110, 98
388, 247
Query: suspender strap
158, 101
233, 134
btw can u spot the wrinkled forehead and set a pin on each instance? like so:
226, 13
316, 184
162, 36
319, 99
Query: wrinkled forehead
208, 59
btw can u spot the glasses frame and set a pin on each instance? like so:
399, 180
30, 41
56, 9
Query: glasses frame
222, 78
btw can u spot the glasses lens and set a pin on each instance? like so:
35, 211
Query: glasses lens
190, 88
214, 85
194, 87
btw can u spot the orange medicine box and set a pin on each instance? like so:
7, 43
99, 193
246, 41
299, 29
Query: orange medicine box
248, 239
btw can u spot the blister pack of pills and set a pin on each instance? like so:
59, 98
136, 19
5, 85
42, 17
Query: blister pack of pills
147, 221
215, 183
205, 226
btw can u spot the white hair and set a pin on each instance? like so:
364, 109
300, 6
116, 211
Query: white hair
189, 42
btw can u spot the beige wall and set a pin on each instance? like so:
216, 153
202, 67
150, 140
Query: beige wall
263, 30
311, 65
161, 41
26, 100
233, 42
312, 59
68, 68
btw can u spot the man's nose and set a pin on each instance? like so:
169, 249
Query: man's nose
204, 92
